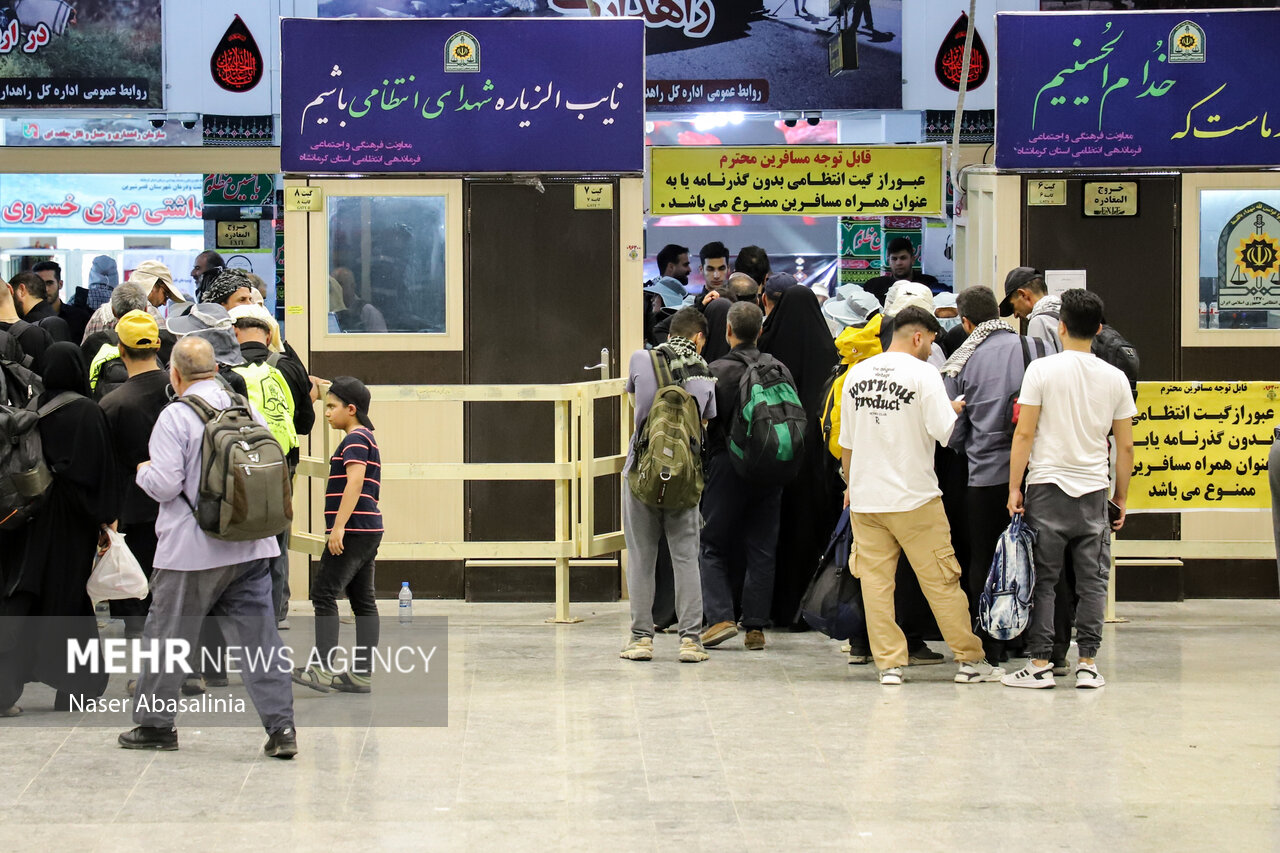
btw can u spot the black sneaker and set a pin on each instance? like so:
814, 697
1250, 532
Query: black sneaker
149, 737
216, 681
922, 655
282, 744
192, 686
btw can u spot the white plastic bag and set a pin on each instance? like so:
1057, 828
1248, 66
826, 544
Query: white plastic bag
116, 573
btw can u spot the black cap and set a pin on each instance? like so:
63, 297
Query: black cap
352, 392
1017, 278
778, 283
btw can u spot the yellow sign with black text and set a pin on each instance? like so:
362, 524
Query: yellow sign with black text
1203, 445
809, 180
237, 235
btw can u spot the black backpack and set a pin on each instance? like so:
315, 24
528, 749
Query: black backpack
1110, 346
10, 348
25, 477
766, 434
1013, 409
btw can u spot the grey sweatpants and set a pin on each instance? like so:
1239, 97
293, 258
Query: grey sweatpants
644, 526
239, 596
1063, 523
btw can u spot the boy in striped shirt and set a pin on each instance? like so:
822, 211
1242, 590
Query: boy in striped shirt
353, 523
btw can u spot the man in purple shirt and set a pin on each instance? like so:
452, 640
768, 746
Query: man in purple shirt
196, 575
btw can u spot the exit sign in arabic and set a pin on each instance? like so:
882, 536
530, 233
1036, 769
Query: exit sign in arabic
1111, 198
1098, 90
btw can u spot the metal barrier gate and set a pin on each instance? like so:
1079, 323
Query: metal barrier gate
574, 472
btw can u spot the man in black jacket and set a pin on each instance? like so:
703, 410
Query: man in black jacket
737, 515
132, 410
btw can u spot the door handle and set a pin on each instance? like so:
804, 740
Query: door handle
603, 366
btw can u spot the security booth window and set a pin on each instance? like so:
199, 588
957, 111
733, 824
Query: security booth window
1239, 259
387, 264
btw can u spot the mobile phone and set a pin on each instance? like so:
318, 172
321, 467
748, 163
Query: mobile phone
1113, 511
959, 399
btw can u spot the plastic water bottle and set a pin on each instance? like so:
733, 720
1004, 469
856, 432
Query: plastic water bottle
406, 604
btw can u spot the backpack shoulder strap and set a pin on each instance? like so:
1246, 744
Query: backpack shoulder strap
661, 369
1026, 352
59, 400
274, 359
1042, 348
18, 327
200, 406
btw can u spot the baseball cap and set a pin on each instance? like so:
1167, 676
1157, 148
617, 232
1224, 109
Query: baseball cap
352, 392
150, 273
138, 330
777, 283
1017, 278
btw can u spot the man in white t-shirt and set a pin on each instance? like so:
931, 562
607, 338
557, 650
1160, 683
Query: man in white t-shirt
893, 412
1070, 402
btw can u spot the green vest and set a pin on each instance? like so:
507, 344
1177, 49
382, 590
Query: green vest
270, 394
105, 353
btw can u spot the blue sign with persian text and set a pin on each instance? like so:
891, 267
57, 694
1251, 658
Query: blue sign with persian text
1119, 90
462, 95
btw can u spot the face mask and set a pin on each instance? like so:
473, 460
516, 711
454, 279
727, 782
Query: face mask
948, 323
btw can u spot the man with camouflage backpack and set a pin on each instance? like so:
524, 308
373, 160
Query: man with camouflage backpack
674, 398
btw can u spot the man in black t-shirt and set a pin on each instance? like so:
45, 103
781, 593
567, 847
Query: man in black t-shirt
22, 339
132, 411
75, 316
902, 259
29, 298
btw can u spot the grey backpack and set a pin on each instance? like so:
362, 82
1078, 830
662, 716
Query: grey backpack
244, 491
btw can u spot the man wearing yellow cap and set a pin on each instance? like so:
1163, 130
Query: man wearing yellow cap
132, 410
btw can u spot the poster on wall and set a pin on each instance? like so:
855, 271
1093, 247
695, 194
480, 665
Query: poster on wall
706, 55
89, 54
1203, 446
117, 203
933, 33
496, 96
797, 180
1127, 89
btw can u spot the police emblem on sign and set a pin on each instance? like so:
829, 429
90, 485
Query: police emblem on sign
1186, 43
462, 52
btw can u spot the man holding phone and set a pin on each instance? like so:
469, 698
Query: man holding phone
1070, 403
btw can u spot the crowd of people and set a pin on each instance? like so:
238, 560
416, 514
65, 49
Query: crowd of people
928, 416
123, 394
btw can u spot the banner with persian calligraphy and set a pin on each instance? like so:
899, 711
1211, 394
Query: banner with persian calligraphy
1121, 90
507, 95
116, 203
706, 55
1203, 445
88, 54
813, 180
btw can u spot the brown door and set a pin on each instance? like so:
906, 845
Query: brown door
1132, 263
542, 301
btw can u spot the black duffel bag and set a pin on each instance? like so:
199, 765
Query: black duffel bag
833, 602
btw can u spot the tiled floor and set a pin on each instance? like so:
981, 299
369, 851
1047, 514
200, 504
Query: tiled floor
555, 743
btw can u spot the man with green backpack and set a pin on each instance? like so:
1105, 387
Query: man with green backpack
674, 398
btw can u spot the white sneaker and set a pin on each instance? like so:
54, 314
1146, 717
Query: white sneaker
891, 676
1088, 677
974, 672
1030, 676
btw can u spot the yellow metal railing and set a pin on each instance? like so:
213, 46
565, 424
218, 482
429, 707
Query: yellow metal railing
574, 473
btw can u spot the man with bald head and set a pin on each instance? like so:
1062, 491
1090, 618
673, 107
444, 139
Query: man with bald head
196, 575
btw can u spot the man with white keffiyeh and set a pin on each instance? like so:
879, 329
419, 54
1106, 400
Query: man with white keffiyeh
987, 369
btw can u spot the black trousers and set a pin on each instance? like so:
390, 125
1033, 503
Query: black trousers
988, 516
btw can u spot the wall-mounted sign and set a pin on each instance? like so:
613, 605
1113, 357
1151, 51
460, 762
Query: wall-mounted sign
237, 235
948, 65
1046, 193
815, 180
553, 95
1249, 259
1111, 198
239, 189
120, 203
236, 63
593, 196
1202, 446
91, 54
720, 54
933, 52
309, 199
1109, 91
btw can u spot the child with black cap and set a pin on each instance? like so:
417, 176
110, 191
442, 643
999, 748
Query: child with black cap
353, 523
